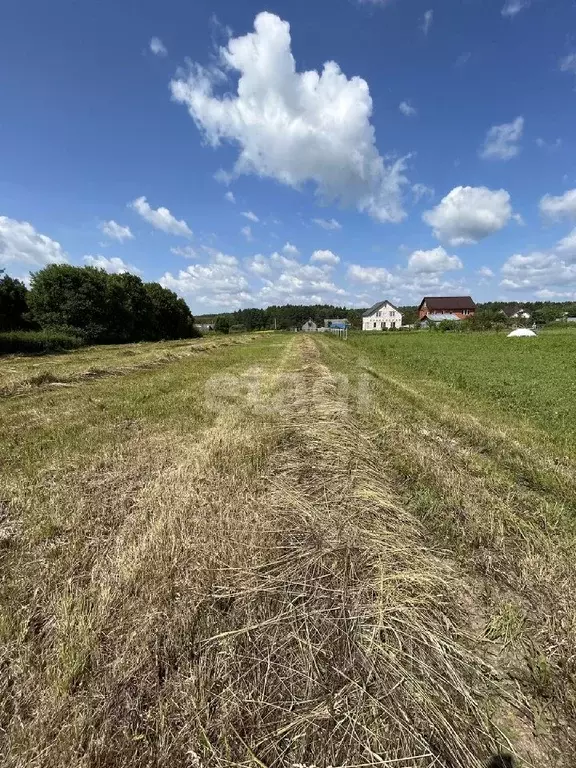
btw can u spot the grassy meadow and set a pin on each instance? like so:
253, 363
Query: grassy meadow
527, 381
289, 550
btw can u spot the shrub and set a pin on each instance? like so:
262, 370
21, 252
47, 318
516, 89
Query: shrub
37, 342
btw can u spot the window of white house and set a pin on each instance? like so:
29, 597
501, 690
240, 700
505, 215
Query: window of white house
374, 325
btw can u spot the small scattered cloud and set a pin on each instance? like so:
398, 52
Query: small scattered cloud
427, 21
512, 7
247, 232
250, 216
407, 109
229, 196
559, 206
502, 141
485, 272
463, 59
327, 223
116, 231
568, 63
20, 242
421, 191
187, 251
325, 257
469, 214
550, 146
160, 218
157, 47
114, 266
290, 250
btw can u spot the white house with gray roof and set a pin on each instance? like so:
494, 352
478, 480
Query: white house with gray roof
382, 316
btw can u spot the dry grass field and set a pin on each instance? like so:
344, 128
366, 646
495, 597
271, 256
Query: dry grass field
277, 550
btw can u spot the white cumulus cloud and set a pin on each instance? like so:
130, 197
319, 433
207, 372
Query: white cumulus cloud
376, 276
247, 232
114, 266
559, 206
469, 214
407, 109
229, 196
251, 216
432, 261
160, 218
116, 231
221, 282
157, 47
502, 141
19, 242
295, 127
551, 270
326, 257
258, 265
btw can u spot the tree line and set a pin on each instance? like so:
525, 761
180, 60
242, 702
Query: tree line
290, 316
283, 318
93, 305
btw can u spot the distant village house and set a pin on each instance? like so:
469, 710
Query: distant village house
382, 316
514, 312
309, 325
457, 307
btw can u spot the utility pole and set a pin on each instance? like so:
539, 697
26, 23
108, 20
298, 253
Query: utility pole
275, 324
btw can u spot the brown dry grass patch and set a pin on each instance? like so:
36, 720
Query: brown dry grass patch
251, 592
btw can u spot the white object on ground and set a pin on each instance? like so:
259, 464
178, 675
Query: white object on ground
522, 332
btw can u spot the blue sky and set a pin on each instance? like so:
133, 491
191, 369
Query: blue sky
246, 154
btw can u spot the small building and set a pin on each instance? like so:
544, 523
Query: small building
434, 318
514, 312
204, 327
340, 323
381, 316
309, 325
462, 306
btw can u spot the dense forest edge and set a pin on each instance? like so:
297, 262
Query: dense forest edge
67, 307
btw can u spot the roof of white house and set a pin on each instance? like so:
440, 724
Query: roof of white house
377, 306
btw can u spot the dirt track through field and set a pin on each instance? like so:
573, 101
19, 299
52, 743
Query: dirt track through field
300, 578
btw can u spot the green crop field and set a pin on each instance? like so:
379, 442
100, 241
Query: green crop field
526, 381
279, 549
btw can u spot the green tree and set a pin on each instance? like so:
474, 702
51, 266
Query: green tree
76, 297
105, 308
222, 325
13, 303
170, 316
